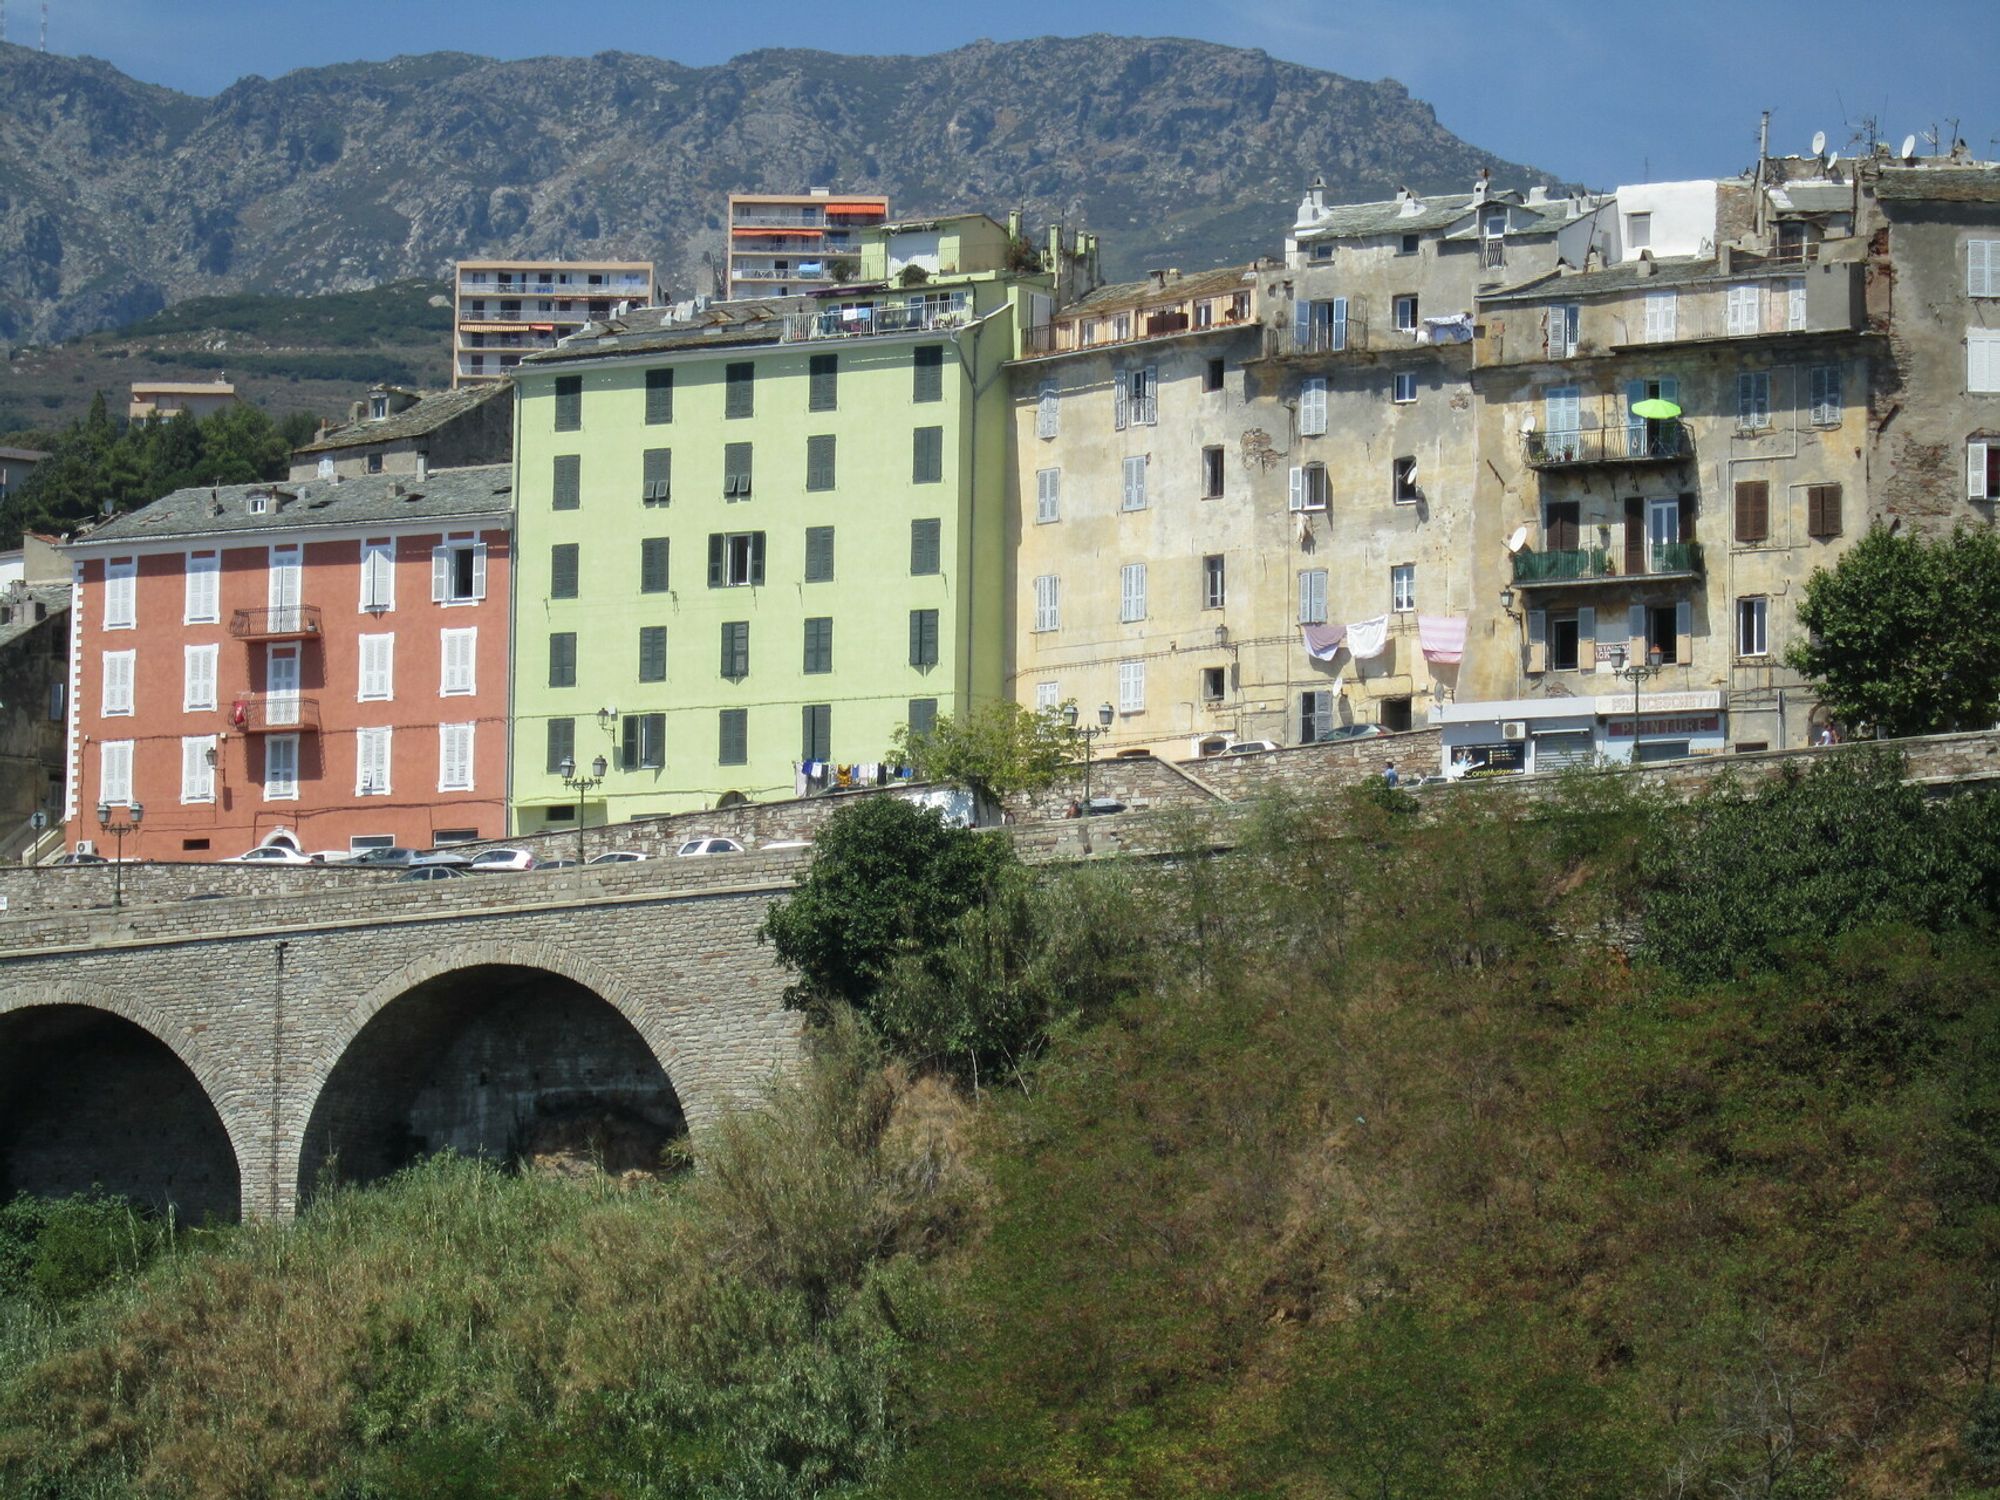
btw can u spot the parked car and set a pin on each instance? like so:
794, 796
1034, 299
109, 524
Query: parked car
268, 854
78, 857
1098, 807
616, 857
503, 859
392, 858
441, 857
1249, 747
709, 846
1353, 732
330, 856
433, 872
555, 864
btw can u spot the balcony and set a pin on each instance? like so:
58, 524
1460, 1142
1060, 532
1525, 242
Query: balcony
298, 622
1654, 442
1594, 565
275, 713
1063, 337
1349, 336
863, 322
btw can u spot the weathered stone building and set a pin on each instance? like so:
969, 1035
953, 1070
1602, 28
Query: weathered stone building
404, 432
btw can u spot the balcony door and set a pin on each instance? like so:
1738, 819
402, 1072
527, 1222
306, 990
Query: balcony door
281, 685
1562, 526
284, 591
1663, 532
1650, 437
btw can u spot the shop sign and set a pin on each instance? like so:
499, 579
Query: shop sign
1692, 724
1509, 758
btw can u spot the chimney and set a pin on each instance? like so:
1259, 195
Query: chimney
1539, 193
1480, 185
423, 466
396, 488
354, 410
1013, 224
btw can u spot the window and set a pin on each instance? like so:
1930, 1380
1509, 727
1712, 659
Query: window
1752, 622
455, 757
569, 403
819, 554
733, 737
121, 593
927, 373
1753, 400
198, 677
1048, 602
656, 477
1403, 481
927, 455
739, 390
735, 650
378, 669
1211, 375
371, 762
1214, 683
653, 565
458, 650
114, 769
1494, 242
642, 742
1742, 310
373, 464
1403, 587
1145, 395
1822, 510
1316, 715
378, 576
1982, 268
1563, 324
1404, 389
1132, 593
1312, 406
1322, 250
1048, 495
1048, 414
819, 645
1396, 714
924, 546
1214, 581
562, 659
1824, 383
204, 586
1661, 630
378, 408
1982, 469
823, 382
923, 715
1135, 484
1409, 244
816, 732
562, 570
1312, 596
1662, 310
1638, 233
1564, 637
659, 397
1405, 308
735, 559
819, 461
281, 768
1048, 695
1131, 687
652, 653
119, 669
198, 768
1211, 473
1982, 359
562, 745
736, 471
567, 482
1319, 327
923, 637
1309, 489
1753, 510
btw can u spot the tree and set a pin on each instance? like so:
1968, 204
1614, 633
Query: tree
996, 749
888, 877
1906, 632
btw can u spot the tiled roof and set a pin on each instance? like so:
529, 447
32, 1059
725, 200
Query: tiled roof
1139, 293
53, 596
648, 330
427, 416
1626, 277
1813, 197
1939, 184
365, 500
183, 388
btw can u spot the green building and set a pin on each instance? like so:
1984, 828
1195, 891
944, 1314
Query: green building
768, 536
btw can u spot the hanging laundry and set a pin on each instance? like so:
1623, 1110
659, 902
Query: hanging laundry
1323, 642
1443, 638
801, 779
1367, 638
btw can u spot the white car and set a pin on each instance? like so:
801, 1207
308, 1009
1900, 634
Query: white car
440, 857
502, 859
709, 846
268, 854
616, 857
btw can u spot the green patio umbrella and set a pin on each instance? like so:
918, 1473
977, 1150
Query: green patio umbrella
1654, 409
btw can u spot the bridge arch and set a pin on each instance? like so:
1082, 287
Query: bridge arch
499, 1050
100, 1089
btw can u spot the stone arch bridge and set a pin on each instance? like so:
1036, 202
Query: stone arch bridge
223, 1054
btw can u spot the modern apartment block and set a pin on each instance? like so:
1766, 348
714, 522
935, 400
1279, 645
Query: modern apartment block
759, 544
163, 399
503, 309
325, 659
781, 244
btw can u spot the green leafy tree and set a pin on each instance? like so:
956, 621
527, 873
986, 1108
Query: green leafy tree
888, 878
1906, 632
996, 749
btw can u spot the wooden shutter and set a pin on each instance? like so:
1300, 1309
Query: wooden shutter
819, 554
924, 546
1538, 640
659, 396
757, 558
1564, 526
628, 743
1339, 324
1823, 510
1753, 510
1982, 268
1301, 324
440, 574
739, 399
1635, 633
822, 389
1586, 640
927, 373
1048, 494
653, 553
1975, 468
1684, 632
1298, 489
734, 737
652, 653
1635, 536
1312, 406
1121, 400
715, 554
1689, 504
656, 483
479, 570
562, 744
562, 570
1047, 412
819, 461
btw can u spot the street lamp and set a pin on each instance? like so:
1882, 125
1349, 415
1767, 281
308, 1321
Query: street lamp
1635, 673
1087, 734
582, 785
118, 829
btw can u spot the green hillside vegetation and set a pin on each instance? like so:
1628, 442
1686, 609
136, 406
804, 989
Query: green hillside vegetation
1360, 1161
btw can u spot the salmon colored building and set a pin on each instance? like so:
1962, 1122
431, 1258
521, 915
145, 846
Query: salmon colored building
324, 659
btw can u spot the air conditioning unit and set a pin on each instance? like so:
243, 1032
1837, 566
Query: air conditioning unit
86, 846
1514, 729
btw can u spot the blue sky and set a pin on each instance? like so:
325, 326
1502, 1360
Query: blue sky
1617, 90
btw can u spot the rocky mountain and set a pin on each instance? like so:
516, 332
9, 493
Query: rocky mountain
118, 197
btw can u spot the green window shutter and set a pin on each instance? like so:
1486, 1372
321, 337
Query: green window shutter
819, 554
819, 462
822, 393
656, 485
653, 565
736, 471
740, 390
927, 456
562, 571
659, 397
734, 748
652, 653
736, 649
562, 744
569, 403
819, 644
927, 379
568, 481
628, 743
924, 546
816, 737
562, 659
757, 559
715, 550
923, 637
923, 715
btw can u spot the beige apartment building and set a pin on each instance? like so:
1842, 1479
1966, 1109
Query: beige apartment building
788, 244
502, 309
173, 398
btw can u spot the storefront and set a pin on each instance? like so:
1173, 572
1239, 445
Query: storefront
1522, 736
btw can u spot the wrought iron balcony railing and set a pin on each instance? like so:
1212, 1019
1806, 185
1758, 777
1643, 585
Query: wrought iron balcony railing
287, 623
1650, 442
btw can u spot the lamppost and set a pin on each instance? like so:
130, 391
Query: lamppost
582, 785
1087, 734
38, 821
1635, 673
118, 828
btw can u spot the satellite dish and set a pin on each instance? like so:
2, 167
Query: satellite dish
1518, 539
1819, 143
1909, 147
1528, 422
